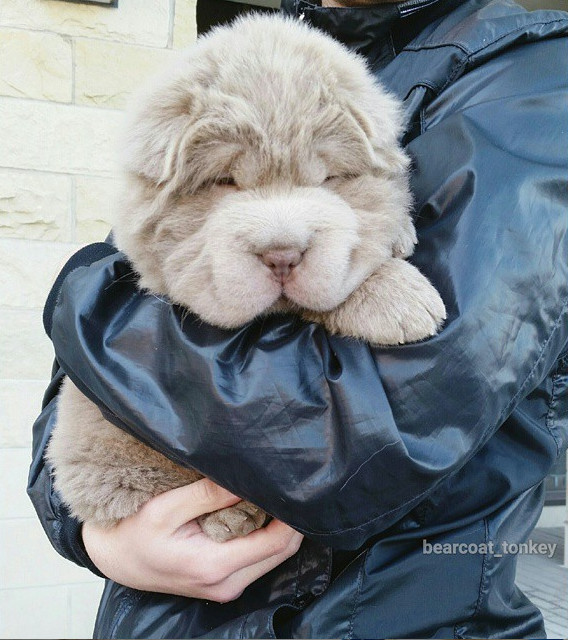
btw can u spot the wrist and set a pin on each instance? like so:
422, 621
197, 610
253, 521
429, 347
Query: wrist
72, 545
87, 546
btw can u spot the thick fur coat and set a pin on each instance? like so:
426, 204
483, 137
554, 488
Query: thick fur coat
263, 172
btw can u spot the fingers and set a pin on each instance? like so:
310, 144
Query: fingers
261, 546
234, 584
177, 506
162, 548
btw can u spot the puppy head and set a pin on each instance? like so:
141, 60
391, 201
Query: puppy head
264, 167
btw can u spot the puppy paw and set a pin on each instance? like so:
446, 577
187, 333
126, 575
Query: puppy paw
233, 522
395, 305
403, 246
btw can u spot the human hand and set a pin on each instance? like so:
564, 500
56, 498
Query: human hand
162, 548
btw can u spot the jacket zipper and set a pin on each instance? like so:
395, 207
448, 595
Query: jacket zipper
406, 9
412, 6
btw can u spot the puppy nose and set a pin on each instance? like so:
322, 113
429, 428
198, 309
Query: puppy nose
282, 261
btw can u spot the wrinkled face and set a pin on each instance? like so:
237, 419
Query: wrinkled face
261, 182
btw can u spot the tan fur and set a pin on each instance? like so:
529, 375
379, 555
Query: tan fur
311, 143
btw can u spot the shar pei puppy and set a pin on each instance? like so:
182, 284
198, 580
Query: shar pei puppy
262, 173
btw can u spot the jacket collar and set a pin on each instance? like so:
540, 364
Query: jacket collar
378, 32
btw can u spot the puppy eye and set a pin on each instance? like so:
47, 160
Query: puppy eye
345, 176
225, 181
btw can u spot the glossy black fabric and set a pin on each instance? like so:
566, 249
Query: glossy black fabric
210, 13
369, 451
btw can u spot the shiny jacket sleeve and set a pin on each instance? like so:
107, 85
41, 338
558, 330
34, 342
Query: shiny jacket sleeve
63, 531
331, 435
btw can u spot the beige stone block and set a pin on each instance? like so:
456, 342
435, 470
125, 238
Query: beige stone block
58, 138
95, 198
35, 65
40, 612
20, 405
27, 558
28, 269
107, 73
25, 351
185, 27
138, 21
14, 502
34, 205
84, 602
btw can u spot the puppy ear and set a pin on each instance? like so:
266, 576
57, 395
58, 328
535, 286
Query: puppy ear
175, 145
201, 154
157, 128
383, 128
365, 135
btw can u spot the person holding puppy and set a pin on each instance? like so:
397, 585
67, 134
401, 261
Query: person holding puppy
452, 436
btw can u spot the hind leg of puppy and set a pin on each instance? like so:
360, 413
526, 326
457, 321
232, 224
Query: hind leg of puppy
396, 304
101, 472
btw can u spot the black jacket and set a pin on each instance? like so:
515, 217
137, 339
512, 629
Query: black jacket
370, 451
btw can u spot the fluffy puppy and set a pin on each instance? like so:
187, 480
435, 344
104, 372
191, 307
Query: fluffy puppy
263, 172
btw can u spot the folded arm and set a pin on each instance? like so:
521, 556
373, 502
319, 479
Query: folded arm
337, 438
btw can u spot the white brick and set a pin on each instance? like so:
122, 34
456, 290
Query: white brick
35, 65
58, 138
27, 558
95, 198
185, 27
14, 502
28, 270
34, 205
34, 613
84, 600
25, 351
107, 73
138, 21
20, 405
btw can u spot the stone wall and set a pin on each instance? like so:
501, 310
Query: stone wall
66, 72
